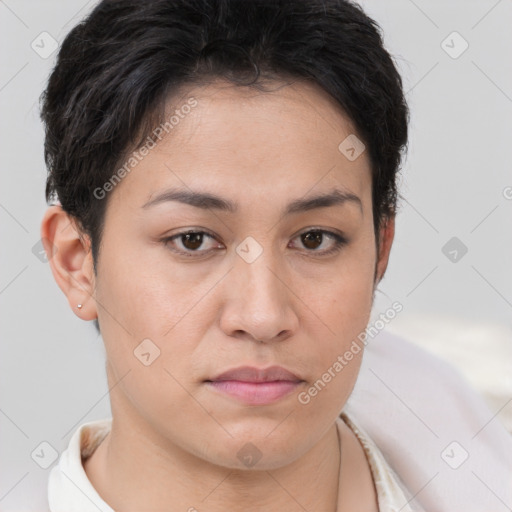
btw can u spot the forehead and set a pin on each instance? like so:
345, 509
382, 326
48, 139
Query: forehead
251, 145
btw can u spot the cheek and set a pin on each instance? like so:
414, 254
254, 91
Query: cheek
344, 298
138, 297
344, 306
149, 334
151, 324
337, 356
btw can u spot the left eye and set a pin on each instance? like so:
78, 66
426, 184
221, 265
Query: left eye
192, 241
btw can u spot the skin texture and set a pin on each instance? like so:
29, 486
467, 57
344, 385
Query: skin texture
174, 440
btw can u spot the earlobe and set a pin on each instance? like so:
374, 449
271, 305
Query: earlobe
70, 258
387, 234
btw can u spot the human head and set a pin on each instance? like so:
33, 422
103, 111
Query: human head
116, 69
119, 74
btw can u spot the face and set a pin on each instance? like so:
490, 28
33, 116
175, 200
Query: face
263, 278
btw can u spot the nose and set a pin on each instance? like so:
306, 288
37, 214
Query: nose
258, 304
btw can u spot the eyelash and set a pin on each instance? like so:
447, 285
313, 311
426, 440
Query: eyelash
339, 242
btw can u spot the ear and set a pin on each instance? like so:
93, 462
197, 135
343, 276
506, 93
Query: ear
70, 258
387, 234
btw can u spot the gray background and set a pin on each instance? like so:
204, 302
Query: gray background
454, 184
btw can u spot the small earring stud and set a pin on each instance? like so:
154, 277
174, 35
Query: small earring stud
79, 306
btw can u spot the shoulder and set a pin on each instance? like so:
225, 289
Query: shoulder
432, 427
68, 485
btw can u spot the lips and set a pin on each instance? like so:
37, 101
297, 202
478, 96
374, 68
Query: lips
251, 374
253, 386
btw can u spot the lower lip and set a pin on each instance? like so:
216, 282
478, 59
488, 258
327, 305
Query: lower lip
255, 393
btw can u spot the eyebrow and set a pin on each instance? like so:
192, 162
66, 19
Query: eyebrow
209, 201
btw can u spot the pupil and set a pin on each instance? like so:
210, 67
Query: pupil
195, 239
312, 237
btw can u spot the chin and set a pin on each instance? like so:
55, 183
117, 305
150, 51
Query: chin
254, 448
